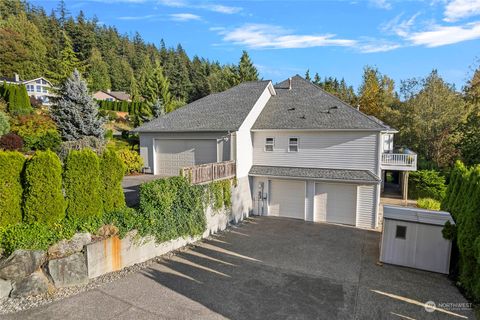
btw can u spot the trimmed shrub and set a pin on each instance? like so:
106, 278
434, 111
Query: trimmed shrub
17, 98
39, 132
4, 124
11, 190
426, 184
83, 188
428, 203
112, 170
132, 161
11, 141
43, 195
95, 144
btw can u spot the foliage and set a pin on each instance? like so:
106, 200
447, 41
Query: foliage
428, 203
11, 190
16, 97
469, 145
75, 111
340, 89
82, 183
66, 63
97, 72
246, 69
426, 184
39, 132
112, 170
97, 145
135, 107
219, 194
43, 197
11, 141
132, 161
4, 124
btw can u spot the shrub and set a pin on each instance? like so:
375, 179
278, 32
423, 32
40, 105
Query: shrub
428, 203
219, 194
108, 134
4, 124
132, 161
82, 184
426, 184
43, 195
127, 219
95, 144
39, 132
112, 170
16, 97
11, 190
11, 141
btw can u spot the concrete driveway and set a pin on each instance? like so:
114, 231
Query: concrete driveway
268, 268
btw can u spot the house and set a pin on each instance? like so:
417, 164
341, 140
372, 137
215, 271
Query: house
112, 95
299, 151
38, 88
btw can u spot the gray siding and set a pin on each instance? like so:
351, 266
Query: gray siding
321, 149
366, 206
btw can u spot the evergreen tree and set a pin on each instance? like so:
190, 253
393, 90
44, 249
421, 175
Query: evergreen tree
75, 111
67, 63
97, 72
307, 75
246, 69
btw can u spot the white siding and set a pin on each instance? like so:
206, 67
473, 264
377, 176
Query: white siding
366, 206
319, 149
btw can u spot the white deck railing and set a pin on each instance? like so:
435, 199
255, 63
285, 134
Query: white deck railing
399, 160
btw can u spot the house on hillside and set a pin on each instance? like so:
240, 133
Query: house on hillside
38, 88
108, 95
296, 151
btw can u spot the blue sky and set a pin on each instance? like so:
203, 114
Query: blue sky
403, 39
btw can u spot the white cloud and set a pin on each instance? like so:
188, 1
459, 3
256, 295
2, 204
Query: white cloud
445, 35
205, 6
382, 4
459, 9
145, 17
400, 27
185, 17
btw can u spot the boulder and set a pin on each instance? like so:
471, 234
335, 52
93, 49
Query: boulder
64, 248
5, 288
35, 284
69, 271
21, 264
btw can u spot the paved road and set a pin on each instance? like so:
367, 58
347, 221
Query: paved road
269, 268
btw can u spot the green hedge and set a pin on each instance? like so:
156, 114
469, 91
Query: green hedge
16, 96
44, 200
83, 187
426, 184
428, 203
11, 190
132, 108
132, 160
112, 169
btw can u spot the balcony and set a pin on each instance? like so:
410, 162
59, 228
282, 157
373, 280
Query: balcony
203, 173
399, 161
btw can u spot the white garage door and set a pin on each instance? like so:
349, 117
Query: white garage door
287, 199
335, 203
173, 154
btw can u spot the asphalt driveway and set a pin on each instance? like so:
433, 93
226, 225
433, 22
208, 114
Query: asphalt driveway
268, 268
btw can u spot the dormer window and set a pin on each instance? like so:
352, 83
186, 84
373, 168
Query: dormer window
293, 145
269, 144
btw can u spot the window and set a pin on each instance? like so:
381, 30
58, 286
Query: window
269, 143
401, 232
109, 99
38, 81
293, 145
39, 88
44, 82
44, 89
30, 87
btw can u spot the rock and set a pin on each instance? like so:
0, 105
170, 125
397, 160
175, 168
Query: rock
64, 248
21, 264
107, 230
5, 288
69, 271
35, 284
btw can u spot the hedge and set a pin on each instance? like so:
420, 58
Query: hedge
11, 190
124, 106
428, 203
132, 161
44, 200
16, 97
426, 184
83, 188
112, 169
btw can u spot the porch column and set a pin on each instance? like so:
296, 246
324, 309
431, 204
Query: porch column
405, 187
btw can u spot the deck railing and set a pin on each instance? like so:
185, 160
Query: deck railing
210, 171
399, 160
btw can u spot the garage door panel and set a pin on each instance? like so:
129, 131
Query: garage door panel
287, 198
335, 203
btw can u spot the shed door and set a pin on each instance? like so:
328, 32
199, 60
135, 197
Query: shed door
173, 154
287, 199
336, 203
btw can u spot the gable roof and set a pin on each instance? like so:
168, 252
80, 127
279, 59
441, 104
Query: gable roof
223, 111
307, 106
119, 95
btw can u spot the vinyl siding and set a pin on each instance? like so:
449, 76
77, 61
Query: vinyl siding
334, 149
366, 206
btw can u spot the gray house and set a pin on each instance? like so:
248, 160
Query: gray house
298, 151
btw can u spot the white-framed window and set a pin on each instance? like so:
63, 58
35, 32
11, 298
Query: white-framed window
39, 88
30, 87
269, 144
44, 90
292, 144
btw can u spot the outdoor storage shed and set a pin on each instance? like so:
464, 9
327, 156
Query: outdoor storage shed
412, 237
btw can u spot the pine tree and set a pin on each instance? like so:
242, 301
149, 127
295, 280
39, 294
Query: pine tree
246, 69
307, 75
97, 72
75, 111
67, 62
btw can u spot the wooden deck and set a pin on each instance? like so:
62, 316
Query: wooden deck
210, 172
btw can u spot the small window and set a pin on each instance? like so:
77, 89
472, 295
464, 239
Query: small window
269, 144
44, 90
39, 88
401, 232
293, 144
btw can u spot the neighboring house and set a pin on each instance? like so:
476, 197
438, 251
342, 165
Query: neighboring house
299, 151
39, 88
112, 95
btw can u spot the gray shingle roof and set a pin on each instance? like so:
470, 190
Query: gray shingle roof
307, 106
224, 111
360, 176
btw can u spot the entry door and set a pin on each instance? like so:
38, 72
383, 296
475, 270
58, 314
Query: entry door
335, 203
287, 199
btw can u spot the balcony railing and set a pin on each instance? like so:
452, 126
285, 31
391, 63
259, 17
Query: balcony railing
210, 172
399, 161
